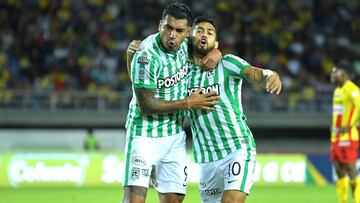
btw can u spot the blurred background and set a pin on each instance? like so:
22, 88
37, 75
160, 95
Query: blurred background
64, 89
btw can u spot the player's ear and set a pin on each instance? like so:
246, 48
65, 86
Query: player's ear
188, 32
159, 27
191, 31
216, 45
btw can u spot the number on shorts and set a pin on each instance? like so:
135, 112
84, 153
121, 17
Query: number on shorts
234, 168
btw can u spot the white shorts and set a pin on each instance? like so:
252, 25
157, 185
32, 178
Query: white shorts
167, 155
233, 172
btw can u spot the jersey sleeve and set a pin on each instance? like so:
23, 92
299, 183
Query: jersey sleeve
143, 69
235, 65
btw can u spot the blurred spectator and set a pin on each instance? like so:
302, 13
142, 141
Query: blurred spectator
90, 142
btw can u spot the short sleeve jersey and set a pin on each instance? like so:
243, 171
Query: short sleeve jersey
224, 130
346, 109
166, 73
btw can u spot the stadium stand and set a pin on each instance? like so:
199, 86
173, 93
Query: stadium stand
54, 46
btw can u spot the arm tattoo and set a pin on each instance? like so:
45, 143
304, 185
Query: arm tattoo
151, 105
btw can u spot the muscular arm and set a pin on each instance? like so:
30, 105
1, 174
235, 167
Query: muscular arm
132, 48
253, 74
128, 63
150, 105
211, 59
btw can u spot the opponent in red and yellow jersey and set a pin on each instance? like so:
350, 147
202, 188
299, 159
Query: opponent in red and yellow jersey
344, 133
346, 109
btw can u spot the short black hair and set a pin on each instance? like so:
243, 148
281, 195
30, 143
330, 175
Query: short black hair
346, 66
206, 19
179, 11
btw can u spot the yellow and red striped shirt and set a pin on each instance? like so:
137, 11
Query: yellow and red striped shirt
346, 112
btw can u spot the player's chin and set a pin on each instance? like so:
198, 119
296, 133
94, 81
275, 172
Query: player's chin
172, 48
203, 47
202, 51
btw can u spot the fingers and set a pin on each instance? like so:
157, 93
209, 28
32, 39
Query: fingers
198, 90
210, 94
204, 61
211, 64
279, 89
208, 63
210, 101
212, 59
207, 108
133, 47
273, 84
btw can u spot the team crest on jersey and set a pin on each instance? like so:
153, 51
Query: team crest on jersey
210, 73
142, 73
143, 60
182, 55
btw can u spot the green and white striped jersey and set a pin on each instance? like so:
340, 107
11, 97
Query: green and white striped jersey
154, 68
224, 130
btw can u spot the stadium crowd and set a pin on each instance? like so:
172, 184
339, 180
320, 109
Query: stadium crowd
62, 45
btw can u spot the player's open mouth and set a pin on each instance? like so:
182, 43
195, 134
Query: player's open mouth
171, 43
203, 42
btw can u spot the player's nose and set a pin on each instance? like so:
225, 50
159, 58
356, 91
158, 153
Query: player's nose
172, 34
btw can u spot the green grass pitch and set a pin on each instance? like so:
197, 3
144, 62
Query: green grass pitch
259, 194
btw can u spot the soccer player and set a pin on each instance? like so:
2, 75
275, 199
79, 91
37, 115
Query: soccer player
155, 137
344, 133
223, 144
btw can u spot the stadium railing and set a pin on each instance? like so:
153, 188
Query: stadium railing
110, 107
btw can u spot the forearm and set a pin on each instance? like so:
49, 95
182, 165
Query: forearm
159, 106
150, 105
254, 74
128, 63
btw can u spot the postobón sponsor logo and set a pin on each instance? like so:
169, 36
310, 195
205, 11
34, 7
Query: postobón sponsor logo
211, 88
174, 79
47, 169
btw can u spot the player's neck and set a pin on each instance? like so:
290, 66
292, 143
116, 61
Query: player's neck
197, 58
341, 83
344, 81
